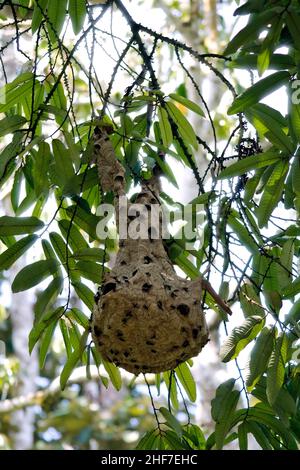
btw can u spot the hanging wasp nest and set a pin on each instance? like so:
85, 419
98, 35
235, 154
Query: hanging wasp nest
146, 319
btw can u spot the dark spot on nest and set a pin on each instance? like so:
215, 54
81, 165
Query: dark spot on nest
134, 272
97, 331
133, 360
196, 302
154, 351
185, 343
153, 200
173, 295
100, 343
97, 297
123, 263
150, 343
136, 367
148, 274
145, 307
183, 309
119, 333
159, 304
167, 287
122, 243
126, 353
183, 329
195, 332
108, 287
147, 260
117, 363
146, 287
97, 146
185, 289
172, 307
174, 348
135, 305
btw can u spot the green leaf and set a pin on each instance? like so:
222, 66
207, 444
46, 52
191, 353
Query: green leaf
184, 127
63, 253
114, 374
244, 234
187, 103
33, 274
77, 11
173, 442
45, 343
8, 155
275, 372
272, 193
258, 91
73, 236
14, 92
73, 359
291, 289
195, 436
56, 13
90, 270
42, 159
9, 256
147, 440
251, 163
292, 20
243, 436
84, 219
11, 124
260, 356
222, 410
37, 16
171, 421
263, 117
90, 254
79, 317
270, 123
250, 301
171, 388
48, 296
63, 164
19, 225
240, 337
256, 24
165, 127
187, 380
58, 102
268, 45
85, 294
295, 121
257, 432
249, 61
168, 173
38, 329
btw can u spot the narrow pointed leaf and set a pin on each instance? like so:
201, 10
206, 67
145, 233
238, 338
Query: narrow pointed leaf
9, 256
19, 225
33, 274
258, 91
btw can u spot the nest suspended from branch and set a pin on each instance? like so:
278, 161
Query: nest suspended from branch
146, 319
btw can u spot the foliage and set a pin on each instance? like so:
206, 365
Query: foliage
45, 164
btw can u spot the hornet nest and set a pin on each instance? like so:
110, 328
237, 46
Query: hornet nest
146, 318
